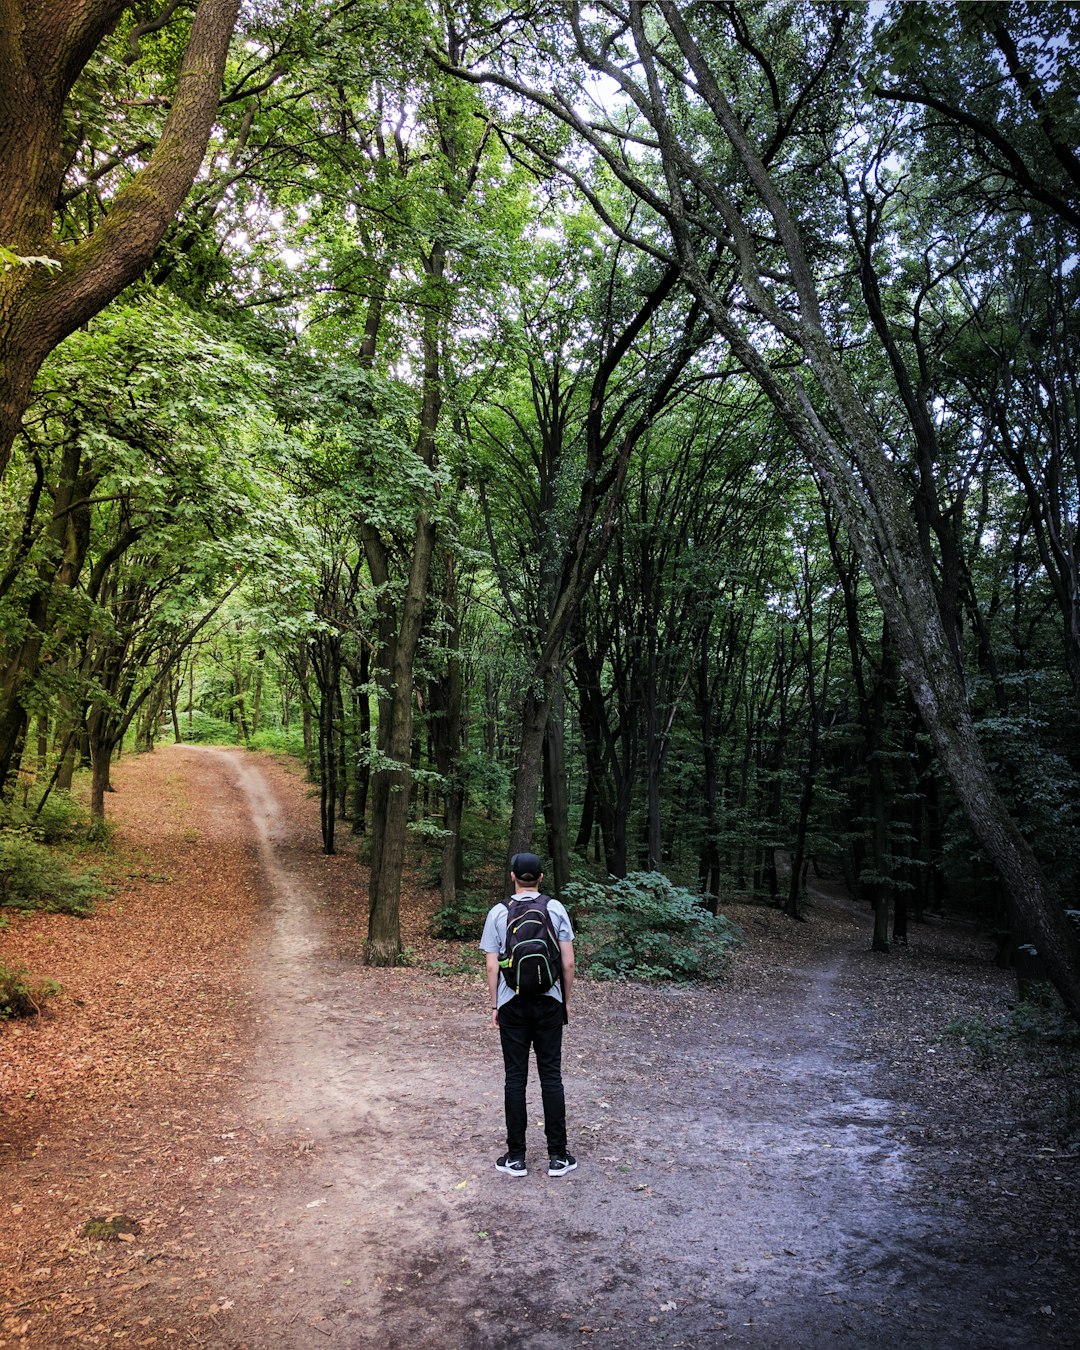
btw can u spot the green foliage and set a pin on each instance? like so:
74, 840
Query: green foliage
486, 781
642, 927
462, 921
60, 820
20, 994
205, 729
468, 963
35, 877
278, 740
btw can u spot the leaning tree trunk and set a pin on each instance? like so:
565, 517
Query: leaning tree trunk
846, 455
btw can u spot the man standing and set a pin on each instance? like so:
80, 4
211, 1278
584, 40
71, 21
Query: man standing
534, 1020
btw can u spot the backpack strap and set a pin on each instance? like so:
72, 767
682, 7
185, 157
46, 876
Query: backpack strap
545, 900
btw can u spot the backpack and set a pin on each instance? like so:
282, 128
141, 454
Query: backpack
531, 961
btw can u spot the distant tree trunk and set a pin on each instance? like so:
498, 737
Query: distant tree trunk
256, 706
556, 806
362, 775
240, 698
175, 686
103, 737
326, 662
534, 716
709, 866
654, 843
880, 889
445, 695
342, 744
392, 784
42, 744
588, 818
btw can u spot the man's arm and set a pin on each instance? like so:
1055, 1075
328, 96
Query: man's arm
567, 951
492, 961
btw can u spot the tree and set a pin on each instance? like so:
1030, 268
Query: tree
744, 200
141, 468
43, 50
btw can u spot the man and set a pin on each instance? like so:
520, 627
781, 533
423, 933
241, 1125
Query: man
531, 1020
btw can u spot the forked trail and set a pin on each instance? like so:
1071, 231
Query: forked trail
763, 1163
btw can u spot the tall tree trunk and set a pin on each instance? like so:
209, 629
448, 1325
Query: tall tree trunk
709, 868
445, 701
256, 706
68, 535
362, 776
653, 756
534, 716
556, 806
392, 784
391, 788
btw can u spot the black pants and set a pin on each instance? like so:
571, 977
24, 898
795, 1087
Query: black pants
536, 1022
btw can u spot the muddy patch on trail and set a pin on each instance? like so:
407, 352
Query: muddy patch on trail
790, 1158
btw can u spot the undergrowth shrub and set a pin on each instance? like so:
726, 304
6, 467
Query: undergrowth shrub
205, 729
463, 921
60, 819
1038, 1022
278, 741
20, 994
642, 927
34, 877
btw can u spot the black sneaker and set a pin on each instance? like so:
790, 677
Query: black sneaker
560, 1164
513, 1167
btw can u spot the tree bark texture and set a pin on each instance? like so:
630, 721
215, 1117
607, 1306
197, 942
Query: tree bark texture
43, 49
392, 783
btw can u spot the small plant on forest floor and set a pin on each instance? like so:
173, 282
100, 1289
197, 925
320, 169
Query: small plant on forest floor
641, 927
20, 994
33, 877
1037, 1023
55, 819
468, 963
461, 921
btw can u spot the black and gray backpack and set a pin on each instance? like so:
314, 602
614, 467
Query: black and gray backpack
531, 962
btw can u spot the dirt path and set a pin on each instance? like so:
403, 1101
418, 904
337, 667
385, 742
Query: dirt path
761, 1164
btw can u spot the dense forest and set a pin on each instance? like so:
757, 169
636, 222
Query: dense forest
643, 431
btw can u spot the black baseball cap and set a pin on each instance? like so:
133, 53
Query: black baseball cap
526, 866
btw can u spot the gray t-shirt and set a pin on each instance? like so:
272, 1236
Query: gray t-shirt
493, 938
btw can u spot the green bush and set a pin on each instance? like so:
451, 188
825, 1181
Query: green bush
32, 877
20, 994
277, 741
463, 921
206, 729
641, 927
61, 820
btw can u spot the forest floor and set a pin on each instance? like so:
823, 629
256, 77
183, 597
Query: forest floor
798, 1156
